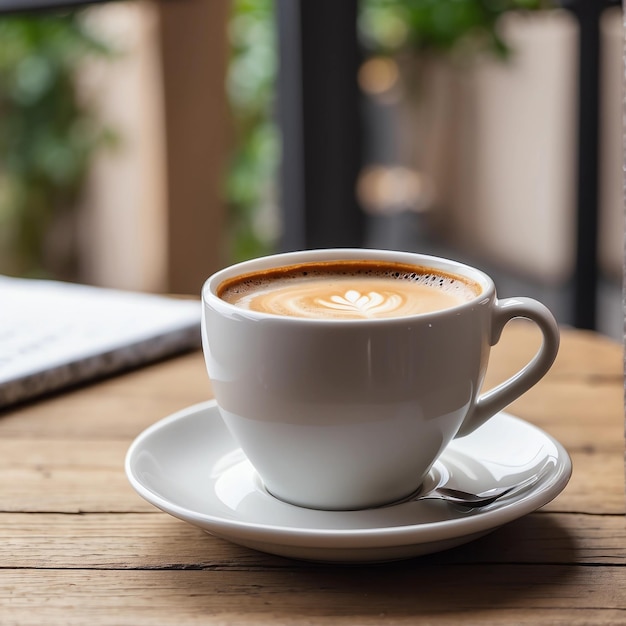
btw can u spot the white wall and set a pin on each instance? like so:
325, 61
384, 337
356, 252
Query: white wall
508, 190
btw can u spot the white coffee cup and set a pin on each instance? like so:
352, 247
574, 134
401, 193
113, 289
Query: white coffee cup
352, 413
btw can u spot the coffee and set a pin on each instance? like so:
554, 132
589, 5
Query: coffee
349, 289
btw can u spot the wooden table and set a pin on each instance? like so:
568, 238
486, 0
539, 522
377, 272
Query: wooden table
78, 546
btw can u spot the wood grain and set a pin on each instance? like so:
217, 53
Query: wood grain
507, 594
157, 541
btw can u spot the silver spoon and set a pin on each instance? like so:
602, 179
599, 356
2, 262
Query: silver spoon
476, 500
465, 498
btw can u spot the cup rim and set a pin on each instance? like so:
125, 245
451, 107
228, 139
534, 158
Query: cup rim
209, 288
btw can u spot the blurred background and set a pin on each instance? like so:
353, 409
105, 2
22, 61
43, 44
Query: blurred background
145, 144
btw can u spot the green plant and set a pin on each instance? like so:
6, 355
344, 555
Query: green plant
251, 183
48, 133
442, 27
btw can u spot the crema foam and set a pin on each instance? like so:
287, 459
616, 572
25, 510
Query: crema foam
350, 289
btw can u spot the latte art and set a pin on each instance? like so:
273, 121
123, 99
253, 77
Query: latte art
337, 298
373, 304
348, 290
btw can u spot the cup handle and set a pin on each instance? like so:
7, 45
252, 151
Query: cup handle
489, 403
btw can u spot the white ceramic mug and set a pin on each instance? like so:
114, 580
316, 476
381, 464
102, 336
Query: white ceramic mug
350, 414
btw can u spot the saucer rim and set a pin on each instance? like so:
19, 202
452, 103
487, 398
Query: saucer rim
238, 531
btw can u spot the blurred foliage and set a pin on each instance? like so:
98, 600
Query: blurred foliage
48, 134
251, 77
439, 27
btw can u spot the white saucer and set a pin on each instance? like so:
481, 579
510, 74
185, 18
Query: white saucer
188, 465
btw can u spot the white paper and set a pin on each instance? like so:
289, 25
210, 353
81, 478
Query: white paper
53, 334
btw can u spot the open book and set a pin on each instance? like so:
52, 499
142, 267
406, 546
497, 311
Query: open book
55, 334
